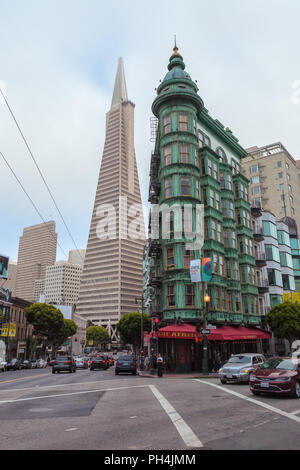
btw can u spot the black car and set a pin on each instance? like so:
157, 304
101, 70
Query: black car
14, 364
125, 363
64, 364
99, 362
26, 365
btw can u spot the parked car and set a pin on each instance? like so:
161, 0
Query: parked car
34, 364
277, 376
99, 362
3, 365
14, 364
239, 367
41, 363
81, 363
64, 363
26, 364
125, 363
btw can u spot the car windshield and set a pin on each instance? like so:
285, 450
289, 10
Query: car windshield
286, 364
63, 359
125, 358
240, 359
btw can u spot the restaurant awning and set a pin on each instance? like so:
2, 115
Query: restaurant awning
221, 333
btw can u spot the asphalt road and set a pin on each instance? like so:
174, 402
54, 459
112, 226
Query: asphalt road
96, 410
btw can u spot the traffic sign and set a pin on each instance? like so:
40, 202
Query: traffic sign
205, 332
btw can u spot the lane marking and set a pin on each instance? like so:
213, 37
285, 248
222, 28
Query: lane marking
70, 394
295, 412
21, 378
185, 432
252, 400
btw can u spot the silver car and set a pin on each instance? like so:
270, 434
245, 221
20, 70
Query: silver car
239, 367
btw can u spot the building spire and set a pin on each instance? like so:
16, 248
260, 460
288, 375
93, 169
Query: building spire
120, 90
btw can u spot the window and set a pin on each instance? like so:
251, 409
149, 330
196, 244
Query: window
288, 177
279, 164
187, 257
255, 180
206, 233
217, 201
222, 155
171, 296
237, 302
197, 190
168, 155
215, 171
218, 298
184, 154
287, 165
222, 181
224, 305
290, 188
170, 258
245, 304
257, 202
201, 139
189, 295
183, 122
219, 230
281, 187
213, 229
167, 124
236, 274
211, 198
231, 210
254, 169
216, 264
168, 188
210, 167
224, 209
280, 175
204, 195
222, 270
230, 302
228, 269
272, 253
256, 190
226, 238
233, 239
229, 182
185, 186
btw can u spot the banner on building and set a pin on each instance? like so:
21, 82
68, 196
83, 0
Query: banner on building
206, 269
195, 270
3, 266
12, 329
293, 297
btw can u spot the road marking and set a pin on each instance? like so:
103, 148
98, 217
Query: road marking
70, 394
185, 432
252, 400
71, 429
21, 378
295, 412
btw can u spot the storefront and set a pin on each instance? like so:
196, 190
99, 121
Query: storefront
181, 345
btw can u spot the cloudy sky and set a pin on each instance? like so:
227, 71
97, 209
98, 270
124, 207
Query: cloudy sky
58, 61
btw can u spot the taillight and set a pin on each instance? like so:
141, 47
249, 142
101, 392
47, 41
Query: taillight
117, 363
134, 364
103, 362
68, 362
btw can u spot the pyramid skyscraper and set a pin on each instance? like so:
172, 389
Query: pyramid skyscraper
112, 274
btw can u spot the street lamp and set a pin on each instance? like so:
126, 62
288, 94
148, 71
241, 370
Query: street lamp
206, 299
138, 301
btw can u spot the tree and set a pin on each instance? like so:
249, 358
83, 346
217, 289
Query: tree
68, 329
129, 328
47, 321
98, 334
284, 321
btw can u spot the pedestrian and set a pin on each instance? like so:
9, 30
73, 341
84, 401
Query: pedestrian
160, 365
147, 363
217, 361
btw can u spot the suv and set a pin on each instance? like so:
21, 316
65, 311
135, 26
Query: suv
239, 367
14, 364
63, 363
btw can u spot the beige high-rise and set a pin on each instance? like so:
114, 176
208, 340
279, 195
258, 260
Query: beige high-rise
112, 273
274, 180
37, 250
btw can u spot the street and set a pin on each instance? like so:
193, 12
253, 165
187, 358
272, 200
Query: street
96, 410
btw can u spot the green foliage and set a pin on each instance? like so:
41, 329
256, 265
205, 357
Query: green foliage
47, 320
69, 328
97, 334
129, 328
284, 321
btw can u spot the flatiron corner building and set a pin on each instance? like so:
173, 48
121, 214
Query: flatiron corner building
112, 272
197, 160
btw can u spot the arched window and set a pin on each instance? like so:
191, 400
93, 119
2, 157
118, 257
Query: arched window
221, 154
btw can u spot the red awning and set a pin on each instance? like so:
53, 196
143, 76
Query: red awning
221, 333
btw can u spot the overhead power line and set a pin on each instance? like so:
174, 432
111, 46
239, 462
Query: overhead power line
31, 201
39, 170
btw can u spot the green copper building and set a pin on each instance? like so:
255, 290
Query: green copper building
196, 161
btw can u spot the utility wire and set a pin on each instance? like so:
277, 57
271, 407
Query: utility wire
38, 168
35, 207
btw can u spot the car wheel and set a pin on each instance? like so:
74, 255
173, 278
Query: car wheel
116, 373
223, 381
297, 390
53, 372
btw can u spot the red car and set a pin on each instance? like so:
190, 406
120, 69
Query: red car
277, 376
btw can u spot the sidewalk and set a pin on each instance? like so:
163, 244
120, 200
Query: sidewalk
191, 375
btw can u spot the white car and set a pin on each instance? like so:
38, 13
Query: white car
41, 363
3, 365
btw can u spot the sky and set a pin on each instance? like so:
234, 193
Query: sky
58, 62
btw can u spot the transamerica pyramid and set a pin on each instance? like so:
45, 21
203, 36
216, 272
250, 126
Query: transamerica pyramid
112, 276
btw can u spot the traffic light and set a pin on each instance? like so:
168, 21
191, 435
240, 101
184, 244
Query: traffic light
76, 339
198, 327
156, 322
